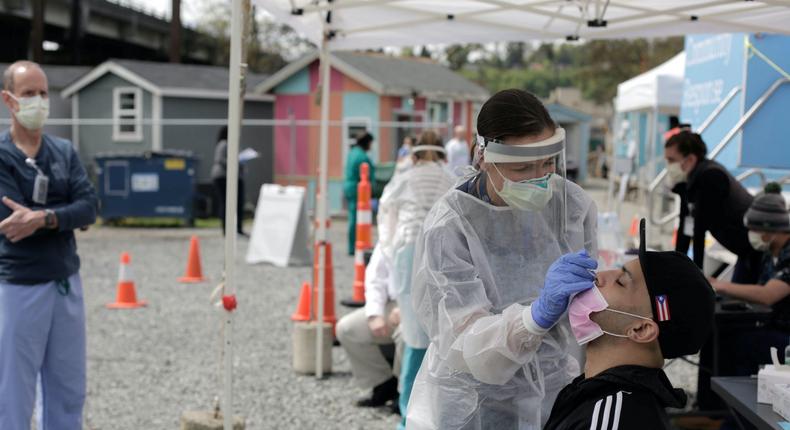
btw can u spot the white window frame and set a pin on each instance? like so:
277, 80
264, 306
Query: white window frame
348, 141
117, 112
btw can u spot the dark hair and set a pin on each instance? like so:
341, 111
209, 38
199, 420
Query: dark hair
430, 138
364, 141
687, 143
674, 121
513, 113
223, 133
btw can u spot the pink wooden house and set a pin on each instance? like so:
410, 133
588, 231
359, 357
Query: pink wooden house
368, 92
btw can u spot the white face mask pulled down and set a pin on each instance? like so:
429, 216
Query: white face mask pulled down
33, 111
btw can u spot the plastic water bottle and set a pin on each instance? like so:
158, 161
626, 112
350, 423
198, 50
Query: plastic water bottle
787, 355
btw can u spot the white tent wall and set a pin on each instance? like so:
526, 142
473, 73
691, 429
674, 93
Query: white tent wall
646, 101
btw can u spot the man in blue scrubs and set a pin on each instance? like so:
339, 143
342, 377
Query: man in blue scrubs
46, 195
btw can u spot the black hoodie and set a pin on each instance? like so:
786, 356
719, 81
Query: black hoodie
624, 398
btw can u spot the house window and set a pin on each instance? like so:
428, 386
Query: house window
127, 114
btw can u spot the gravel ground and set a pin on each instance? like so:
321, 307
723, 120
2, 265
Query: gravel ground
148, 365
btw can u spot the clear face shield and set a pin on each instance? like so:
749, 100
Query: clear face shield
530, 177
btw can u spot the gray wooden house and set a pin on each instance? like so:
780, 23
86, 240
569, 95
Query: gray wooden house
140, 106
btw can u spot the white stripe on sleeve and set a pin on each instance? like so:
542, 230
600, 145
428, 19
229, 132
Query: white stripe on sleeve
606, 410
594, 422
617, 407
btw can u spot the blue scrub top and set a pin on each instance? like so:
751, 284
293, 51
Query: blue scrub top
47, 255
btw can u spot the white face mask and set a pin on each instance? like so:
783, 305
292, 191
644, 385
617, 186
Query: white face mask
529, 195
33, 111
757, 242
675, 174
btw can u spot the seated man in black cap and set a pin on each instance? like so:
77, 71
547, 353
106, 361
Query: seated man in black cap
769, 231
657, 307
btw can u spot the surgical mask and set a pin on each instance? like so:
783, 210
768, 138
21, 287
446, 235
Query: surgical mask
582, 306
757, 242
675, 174
529, 195
33, 111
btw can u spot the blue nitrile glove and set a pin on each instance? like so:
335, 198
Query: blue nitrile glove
567, 276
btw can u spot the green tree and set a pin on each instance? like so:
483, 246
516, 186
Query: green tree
271, 45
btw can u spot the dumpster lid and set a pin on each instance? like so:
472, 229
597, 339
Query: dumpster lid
168, 153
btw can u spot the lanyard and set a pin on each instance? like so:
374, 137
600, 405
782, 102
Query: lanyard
63, 286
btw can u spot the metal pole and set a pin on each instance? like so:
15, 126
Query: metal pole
322, 212
235, 89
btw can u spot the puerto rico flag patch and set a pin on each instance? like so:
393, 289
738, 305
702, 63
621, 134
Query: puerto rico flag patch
662, 308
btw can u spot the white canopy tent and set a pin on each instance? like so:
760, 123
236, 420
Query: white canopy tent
655, 92
661, 87
367, 24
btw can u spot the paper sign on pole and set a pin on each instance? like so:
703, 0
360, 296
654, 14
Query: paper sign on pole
281, 228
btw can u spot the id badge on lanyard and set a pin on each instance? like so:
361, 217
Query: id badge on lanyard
40, 185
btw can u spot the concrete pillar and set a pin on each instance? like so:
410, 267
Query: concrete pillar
175, 32
205, 420
37, 32
304, 342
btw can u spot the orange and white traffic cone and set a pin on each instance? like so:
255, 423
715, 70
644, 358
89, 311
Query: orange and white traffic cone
364, 210
126, 296
357, 299
194, 270
364, 237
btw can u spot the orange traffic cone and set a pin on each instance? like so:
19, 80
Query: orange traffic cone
634, 230
329, 285
364, 211
194, 271
358, 289
126, 297
303, 307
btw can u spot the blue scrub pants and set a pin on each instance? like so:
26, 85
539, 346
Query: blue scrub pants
42, 333
410, 365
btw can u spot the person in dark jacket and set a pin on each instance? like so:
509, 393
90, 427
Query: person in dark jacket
715, 202
711, 200
657, 307
219, 177
769, 231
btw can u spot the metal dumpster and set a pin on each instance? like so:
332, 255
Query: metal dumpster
148, 184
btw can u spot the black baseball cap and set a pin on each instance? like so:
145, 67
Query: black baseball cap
681, 298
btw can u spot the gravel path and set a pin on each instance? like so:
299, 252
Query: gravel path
146, 366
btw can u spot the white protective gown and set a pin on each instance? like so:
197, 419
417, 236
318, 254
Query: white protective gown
403, 207
476, 268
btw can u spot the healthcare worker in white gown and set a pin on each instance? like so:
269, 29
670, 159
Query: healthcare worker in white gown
405, 203
500, 344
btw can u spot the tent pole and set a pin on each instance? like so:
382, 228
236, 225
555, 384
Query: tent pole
235, 80
322, 212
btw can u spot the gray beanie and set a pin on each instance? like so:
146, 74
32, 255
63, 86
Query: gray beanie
768, 211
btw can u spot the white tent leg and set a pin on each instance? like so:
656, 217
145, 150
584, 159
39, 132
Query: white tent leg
322, 213
234, 131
